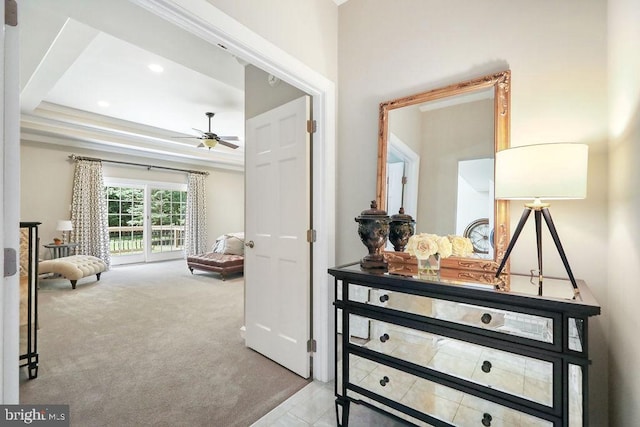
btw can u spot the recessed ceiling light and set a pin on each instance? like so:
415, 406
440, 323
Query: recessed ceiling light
156, 68
103, 103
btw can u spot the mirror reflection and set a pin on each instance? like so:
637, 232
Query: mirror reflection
436, 157
451, 141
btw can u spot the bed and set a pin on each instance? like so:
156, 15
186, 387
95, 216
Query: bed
226, 256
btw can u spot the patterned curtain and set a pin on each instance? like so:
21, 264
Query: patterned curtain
195, 236
89, 211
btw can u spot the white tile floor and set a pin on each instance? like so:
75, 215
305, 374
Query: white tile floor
314, 406
311, 406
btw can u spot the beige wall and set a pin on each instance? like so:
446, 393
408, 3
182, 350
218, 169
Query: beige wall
557, 54
46, 181
406, 124
307, 30
446, 141
260, 96
624, 211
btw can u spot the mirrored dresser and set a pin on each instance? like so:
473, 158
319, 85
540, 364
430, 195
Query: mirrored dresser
432, 351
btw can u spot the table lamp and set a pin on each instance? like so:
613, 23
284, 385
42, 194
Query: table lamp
64, 226
537, 172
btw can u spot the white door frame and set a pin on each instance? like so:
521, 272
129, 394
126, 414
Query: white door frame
209, 23
10, 212
412, 168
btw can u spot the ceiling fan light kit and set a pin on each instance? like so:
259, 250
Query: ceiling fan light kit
210, 139
209, 143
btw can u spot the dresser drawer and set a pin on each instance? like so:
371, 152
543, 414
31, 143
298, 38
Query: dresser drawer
462, 353
524, 325
522, 376
439, 401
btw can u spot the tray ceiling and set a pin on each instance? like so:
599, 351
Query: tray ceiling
86, 82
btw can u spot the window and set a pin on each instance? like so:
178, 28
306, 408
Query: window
146, 220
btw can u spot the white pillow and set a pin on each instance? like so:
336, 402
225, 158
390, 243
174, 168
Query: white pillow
230, 243
218, 246
234, 244
238, 234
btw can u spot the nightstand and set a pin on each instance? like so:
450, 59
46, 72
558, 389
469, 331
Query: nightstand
59, 251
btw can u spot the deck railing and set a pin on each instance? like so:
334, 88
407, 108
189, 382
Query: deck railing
127, 240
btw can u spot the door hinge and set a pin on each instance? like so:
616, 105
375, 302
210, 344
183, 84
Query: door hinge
311, 346
311, 236
311, 126
10, 262
11, 13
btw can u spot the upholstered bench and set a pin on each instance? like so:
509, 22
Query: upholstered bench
74, 267
216, 262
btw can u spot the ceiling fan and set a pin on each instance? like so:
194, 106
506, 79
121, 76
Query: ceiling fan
210, 139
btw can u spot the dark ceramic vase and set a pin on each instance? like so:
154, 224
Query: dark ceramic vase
373, 229
401, 227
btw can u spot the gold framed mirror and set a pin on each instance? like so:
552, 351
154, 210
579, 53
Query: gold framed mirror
436, 151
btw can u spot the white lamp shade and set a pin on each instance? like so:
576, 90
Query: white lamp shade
64, 225
542, 171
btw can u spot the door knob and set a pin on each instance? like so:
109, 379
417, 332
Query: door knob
486, 420
486, 318
250, 244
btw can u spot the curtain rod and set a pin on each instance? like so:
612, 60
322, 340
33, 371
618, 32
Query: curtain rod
94, 159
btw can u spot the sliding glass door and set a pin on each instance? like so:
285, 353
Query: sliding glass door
146, 220
126, 213
168, 213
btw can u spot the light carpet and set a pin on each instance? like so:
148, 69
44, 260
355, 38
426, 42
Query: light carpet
151, 344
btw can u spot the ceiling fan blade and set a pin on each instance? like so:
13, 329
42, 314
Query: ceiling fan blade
190, 137
200, 145
229, 138
228, 144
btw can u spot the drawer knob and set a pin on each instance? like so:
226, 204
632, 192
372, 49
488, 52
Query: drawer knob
384, 298
486, 318
486, 420
384, 337
384, 381
486, 366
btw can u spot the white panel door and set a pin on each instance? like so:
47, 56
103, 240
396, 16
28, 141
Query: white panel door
10, 213
277, 212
